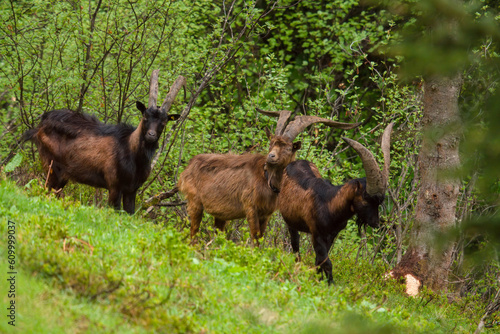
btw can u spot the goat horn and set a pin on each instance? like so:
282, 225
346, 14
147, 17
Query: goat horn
176, 87
153, 89
376, 180
302, 122
283, 115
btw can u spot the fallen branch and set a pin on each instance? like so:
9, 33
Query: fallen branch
155, 200
48, 173
170, 204
70, 248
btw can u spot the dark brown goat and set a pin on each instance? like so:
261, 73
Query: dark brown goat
311, 204
229, 186
78, 147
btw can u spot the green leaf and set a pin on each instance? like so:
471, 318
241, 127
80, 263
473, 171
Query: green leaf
14, 163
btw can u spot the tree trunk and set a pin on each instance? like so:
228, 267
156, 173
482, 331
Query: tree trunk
429, 256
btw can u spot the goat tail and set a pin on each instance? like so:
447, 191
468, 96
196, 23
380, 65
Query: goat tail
29, 135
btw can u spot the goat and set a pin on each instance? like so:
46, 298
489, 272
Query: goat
311, 204
78, 147
229, 186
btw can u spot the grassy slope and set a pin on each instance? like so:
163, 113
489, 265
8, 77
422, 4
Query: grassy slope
139, 277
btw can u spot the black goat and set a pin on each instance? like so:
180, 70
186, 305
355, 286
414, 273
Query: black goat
311, 204
78, 147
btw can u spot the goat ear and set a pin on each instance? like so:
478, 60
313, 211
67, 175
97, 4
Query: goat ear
268, 133
173, 117
359, 186
297, 145
140, 106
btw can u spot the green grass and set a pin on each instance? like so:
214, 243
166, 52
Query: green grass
43, 308
84, 269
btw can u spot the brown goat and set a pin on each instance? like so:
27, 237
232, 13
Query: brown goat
78, 147
311, 204
229, 186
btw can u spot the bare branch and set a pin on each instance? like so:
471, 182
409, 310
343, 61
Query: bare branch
153, 89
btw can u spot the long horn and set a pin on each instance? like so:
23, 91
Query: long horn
302, 122
376, 180
283, 115
153, 89
176, 87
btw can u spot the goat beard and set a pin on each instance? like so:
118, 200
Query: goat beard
361, 225
273, 181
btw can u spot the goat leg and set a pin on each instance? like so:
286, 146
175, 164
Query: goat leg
321, 246
55, 179
129, 202
114, 198
253, 222
263, 224
220, 224
195, 212
295, 241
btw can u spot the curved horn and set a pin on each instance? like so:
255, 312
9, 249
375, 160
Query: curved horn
176, 87
302, 122
376, 180
153, 89
283, 115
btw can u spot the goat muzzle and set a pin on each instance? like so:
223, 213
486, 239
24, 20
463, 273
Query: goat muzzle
151, 136
271, 159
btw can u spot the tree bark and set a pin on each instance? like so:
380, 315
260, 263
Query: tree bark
429, 256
